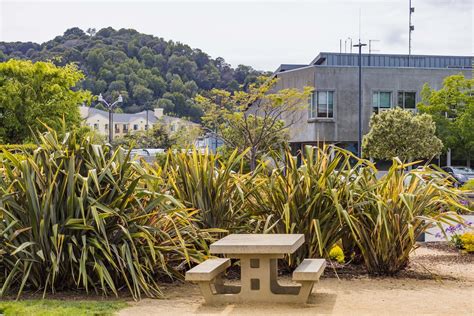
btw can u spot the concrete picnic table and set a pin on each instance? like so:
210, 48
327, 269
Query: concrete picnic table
258, 255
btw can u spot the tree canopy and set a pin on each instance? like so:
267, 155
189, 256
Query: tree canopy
156, 137
257, 118
403, 134
145, 69
452, 108
34, 94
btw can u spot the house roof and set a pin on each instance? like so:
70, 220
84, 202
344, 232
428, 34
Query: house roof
124, 118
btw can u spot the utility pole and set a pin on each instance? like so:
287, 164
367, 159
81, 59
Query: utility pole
411, 28
359, 141
146, 126
110, 107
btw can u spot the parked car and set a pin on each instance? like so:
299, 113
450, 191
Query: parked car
147, 154
459, 173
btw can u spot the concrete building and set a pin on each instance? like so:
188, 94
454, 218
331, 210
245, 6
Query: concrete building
209, 141
387, 81
125, 123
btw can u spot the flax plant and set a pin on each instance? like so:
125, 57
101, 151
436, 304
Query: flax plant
390, 213
309, 199
74, 215
202, 181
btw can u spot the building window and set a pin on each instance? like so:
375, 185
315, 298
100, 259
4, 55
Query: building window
407, 100
96, 126
135, 127
106, 127
117, 130
321, 105
125, 128
381, 100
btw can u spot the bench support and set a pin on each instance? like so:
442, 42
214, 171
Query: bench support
258, 284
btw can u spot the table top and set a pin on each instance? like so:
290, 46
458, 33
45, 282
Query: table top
258, 244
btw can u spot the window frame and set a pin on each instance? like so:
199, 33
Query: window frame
313, 113
376, 108
404, 92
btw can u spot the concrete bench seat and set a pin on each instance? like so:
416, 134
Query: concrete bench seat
207, 270
309, 270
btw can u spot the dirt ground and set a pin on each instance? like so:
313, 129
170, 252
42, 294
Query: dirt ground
438, 281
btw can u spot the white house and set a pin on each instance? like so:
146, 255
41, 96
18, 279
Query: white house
125, 123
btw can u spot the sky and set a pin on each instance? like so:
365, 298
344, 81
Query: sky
262, 34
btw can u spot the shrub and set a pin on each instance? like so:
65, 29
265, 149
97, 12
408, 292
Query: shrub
337, 254
391, 213
467, 240
309, 199
456, 241
468, 186
18, 147
204, 182
453, 233
77, 216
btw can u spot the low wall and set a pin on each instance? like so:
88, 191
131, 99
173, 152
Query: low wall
435, 234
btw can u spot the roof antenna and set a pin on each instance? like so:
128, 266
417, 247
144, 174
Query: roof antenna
371, 49
411, 28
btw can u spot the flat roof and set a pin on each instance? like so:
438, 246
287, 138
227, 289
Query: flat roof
285, 67
384, 61
393, 60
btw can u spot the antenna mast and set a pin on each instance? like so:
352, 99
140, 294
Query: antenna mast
411, 28
371, 49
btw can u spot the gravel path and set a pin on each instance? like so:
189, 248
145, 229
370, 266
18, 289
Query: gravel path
447, 289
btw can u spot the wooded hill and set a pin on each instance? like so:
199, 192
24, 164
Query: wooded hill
148, 71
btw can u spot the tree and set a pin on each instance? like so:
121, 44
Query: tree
156, 137
33, 94
452, 108
91, 31
142, 94
125, 58
74, 32
185, 136
400, 133
95, 59
165, 104
257, 118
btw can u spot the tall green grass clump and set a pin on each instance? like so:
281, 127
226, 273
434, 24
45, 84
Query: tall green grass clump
74, 215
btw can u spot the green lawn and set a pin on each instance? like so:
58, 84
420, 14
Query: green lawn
59, 307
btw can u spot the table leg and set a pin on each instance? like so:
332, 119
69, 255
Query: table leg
275, 287
222, 288
258, 284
